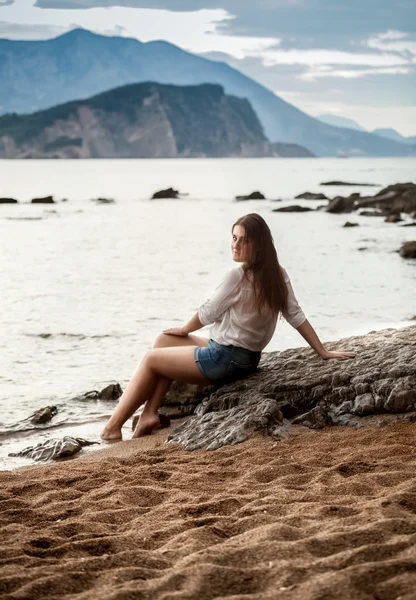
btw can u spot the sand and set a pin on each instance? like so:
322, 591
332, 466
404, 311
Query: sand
324, 514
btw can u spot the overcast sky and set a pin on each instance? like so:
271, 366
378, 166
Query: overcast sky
355, 58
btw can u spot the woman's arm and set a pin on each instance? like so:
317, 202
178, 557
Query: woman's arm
309, 334
297, 319
193, 325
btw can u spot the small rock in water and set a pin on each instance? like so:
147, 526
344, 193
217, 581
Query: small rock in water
8, 201
103, 200
293, 208
349, 224
348, 183
169, 193
408, 250
54, 449
393, 219
253, 196
111, 392
311, 196
43, 415
45, 200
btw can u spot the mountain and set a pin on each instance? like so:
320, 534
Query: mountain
339, 121
78, 64
144, 120
392, 134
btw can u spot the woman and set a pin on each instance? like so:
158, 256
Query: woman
243, 311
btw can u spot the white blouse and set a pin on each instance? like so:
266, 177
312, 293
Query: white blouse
235, 320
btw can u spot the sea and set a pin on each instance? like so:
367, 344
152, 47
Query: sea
86, 286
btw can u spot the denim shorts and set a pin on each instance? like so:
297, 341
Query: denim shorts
223, 364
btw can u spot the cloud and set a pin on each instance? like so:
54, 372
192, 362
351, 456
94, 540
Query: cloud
326, 71
392, 41
17, 31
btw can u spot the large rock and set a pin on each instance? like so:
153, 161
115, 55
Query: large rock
8, 201
54, 449
381, 379
397, 198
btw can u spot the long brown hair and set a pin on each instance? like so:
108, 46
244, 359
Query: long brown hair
268, 280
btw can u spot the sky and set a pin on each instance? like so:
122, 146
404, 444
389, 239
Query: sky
356, 59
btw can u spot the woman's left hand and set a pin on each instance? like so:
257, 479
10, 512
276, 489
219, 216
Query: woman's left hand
176, 331
326, 354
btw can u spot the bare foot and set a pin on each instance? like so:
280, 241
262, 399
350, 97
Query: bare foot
146, 425
111, 434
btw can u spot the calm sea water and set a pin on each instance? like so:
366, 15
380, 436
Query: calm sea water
85, 288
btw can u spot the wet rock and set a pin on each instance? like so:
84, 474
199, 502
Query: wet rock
409, 224
253, 196
45, 200
381, 379
408, 250
311, 196
43, 415
348, 224
54, 449
111, 392
349, 183
294, 208
169, 193
8, 201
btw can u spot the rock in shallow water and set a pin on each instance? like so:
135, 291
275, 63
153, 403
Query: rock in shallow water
54, 449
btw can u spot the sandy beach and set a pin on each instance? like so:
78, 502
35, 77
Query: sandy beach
324, 514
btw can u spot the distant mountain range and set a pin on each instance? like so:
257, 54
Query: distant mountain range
390, 134
40, 74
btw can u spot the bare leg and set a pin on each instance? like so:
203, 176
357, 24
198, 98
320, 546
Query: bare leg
149, 419
152, 380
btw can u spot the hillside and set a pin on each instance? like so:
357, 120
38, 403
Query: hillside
40, 74
144, 120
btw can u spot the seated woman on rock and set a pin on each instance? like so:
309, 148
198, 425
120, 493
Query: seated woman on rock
243, 312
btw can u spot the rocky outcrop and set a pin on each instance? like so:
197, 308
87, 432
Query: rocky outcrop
54, 449
285, 150
8, 201
297, 385
141, 120
392, 200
